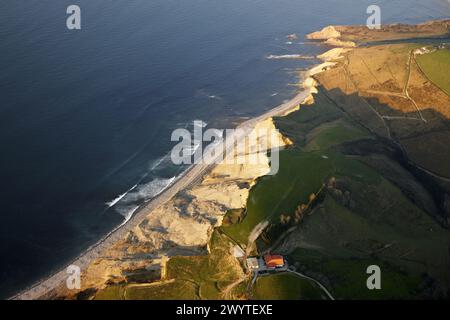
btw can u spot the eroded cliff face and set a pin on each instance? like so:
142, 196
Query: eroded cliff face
183, 225
331, 36
324, 34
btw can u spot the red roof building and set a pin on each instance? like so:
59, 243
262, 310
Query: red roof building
274, 261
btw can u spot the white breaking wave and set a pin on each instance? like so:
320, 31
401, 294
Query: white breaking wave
289, 56
149, 190
113, 202
142, 193
154, 165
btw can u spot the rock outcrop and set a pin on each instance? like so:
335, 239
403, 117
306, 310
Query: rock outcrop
324, 34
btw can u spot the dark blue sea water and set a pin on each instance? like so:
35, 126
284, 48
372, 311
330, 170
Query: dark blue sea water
86, 116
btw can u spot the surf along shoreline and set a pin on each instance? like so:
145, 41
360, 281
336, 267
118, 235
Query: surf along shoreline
215, 176
193, 175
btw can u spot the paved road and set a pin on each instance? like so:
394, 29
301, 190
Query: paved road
192, 175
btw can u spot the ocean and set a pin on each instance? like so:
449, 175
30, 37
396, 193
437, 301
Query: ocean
86, 115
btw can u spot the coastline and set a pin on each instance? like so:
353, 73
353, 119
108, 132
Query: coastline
190, 177
195, 173
218, 190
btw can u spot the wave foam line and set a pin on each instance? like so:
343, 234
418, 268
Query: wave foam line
113, 202
289, 56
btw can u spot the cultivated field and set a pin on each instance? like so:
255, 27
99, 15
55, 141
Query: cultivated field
436, 66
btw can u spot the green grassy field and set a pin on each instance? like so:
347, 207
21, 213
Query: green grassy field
173, 290
112, 292
387, 230
282, 193
285, 286
332, 133
436, 66
348, 276
176, 290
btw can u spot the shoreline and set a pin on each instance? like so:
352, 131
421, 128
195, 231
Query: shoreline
331, 59
188, 178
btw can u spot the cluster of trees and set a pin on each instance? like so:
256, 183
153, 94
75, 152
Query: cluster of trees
299, 211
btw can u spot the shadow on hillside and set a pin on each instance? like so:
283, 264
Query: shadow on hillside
419, 147
406, 141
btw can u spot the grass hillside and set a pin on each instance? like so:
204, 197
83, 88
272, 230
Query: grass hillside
436, 66
303, 169
371, 211
284, 286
